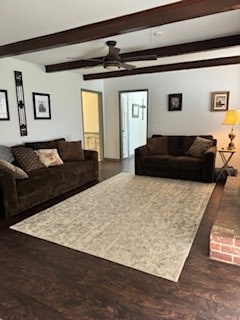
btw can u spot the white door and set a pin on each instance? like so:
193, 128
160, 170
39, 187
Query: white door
124, 125
133, 121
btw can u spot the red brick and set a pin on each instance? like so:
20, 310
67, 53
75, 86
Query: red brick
215, 246
236, 260
237, 242
232, 250
221, 256
221, 239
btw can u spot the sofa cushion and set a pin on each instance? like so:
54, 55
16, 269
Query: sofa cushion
156, 161
51, 144
186, 163
199, 147
16, 172
6, 154
49, 157
70, 150
27, 158
158, 146
78, 171
41, 179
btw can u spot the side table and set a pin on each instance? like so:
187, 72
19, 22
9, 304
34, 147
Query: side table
226, 156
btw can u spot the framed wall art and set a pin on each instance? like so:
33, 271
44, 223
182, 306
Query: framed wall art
4, 111
41, 105
175, 102
135, 110
21, 103
219, 100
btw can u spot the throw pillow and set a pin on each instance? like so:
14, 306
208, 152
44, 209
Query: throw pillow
199, 146
27, 158
51, 144
6, 154
70, 150
49, 157
16, 172
158, 146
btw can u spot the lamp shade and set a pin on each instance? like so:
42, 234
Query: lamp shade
232, 117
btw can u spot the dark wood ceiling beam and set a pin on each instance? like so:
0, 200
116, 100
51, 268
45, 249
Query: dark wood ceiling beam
165, 68
191, 47
174, 12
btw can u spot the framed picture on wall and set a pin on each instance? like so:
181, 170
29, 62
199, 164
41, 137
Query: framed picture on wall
41, 105
175, 102
135, 110
219, 100
4, 111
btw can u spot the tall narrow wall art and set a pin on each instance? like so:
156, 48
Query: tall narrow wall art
20, 103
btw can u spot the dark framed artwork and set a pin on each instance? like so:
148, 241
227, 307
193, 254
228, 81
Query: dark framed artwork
135, 110
175, 102
219, 100
4, 111
21, 103
41, 105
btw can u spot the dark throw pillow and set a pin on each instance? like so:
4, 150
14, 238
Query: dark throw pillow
199, 147
70, 150
158, 146
51, 144
27, 158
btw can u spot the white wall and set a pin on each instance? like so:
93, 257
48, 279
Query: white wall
65, 96
195, 118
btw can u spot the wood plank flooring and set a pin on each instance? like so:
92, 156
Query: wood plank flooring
44, 281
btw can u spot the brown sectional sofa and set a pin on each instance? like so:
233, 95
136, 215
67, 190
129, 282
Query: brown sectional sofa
43, 184
174, 162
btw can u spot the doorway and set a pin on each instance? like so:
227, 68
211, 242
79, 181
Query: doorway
133, 121
92, 121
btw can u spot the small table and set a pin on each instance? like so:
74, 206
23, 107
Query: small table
226, 156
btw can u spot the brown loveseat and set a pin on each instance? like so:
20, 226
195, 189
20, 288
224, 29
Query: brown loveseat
45, 183
175, 157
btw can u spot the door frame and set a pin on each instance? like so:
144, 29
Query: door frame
100, 118
120, 117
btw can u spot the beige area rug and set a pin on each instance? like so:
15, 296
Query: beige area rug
141, 222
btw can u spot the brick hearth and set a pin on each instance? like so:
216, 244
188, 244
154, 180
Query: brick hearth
225, 233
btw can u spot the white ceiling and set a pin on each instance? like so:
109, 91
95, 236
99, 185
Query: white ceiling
25, 19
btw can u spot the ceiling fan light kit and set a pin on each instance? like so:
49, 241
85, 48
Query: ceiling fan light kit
111, 65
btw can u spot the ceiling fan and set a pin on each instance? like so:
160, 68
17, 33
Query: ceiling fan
114, 60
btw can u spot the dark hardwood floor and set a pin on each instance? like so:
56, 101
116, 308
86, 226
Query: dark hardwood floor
45, 281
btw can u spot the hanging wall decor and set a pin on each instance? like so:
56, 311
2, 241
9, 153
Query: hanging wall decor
4, 112
41, 104
175, 102
135, 110
21, 104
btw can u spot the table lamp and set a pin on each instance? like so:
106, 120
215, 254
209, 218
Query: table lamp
232, 117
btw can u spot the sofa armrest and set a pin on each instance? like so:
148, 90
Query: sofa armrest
8, 194
92, 155
209, 158
139, 154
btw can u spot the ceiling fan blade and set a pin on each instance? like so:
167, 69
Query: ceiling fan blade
127, 66
140, 58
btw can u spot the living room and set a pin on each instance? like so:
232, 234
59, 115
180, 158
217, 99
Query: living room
196, 117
